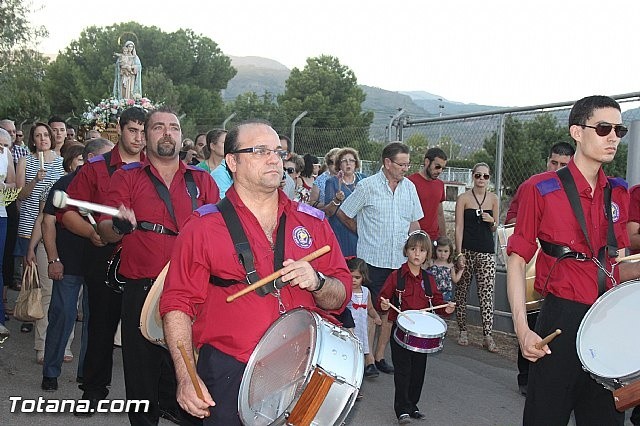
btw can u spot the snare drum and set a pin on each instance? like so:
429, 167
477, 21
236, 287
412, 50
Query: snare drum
150, 320
605, 343
420, 331
534, 299
284, 360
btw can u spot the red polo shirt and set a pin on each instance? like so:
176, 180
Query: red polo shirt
431, 194
545, 213
205, 248
145, 253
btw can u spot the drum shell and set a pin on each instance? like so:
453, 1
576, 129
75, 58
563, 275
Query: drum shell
415, 337
334, 350
151, 325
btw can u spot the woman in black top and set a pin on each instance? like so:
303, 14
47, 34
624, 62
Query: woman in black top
476, 215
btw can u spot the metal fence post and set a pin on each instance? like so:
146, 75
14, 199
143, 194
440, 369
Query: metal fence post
633, 155
226, 120
293, 129
393, 119
499, 160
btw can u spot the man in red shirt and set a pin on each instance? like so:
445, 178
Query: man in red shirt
557, 383
155, 197
91, 184
227, 333
431, 193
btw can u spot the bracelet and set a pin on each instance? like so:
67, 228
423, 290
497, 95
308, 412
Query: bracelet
334, 203
321, 280
458, 256
51, 262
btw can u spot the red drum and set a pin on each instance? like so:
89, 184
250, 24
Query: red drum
425, 334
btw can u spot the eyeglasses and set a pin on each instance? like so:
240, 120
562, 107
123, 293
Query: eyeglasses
480, 175
290, 170
403, 165
18, 135
262, 151
603, 129
348, 160
438, 167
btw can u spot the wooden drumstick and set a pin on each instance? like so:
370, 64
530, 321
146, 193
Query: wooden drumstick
444, 305
248, 289
547, 339
629, 258
402, 314
190, 370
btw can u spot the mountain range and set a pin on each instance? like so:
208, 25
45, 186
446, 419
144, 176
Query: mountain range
259, 75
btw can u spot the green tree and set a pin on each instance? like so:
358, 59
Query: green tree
330, 92
418, 144
180, 68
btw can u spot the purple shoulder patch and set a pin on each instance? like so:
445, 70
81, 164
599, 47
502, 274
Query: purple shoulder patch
618, 182
207, 209
549, 185
131, 166
311, 211
96, 158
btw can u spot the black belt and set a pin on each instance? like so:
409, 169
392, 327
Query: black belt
156, 227
561, 252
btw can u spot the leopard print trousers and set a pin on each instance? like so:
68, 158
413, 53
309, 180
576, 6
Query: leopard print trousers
483, 267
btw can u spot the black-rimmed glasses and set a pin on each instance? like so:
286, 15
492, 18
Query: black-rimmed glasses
603, 129
262, 151
480, 175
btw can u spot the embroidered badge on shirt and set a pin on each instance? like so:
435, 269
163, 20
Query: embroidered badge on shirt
615, 212
301, 237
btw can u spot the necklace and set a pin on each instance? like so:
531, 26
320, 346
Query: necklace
479, 202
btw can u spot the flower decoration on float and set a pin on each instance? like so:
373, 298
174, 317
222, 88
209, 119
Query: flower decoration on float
105, 113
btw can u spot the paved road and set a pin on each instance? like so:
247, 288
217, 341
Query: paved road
464, 386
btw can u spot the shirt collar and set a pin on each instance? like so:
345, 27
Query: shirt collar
582, 185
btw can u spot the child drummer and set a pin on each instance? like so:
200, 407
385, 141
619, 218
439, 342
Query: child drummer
410, 288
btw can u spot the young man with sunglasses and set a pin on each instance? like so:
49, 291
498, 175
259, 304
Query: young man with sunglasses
431, 192
569, 266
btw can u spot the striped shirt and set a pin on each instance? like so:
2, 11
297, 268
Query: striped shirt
383, 218
31, 206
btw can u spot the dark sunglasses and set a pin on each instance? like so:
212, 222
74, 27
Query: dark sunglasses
480, 175
290, 170
603, 129
437, 167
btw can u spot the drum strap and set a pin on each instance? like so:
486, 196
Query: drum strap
611, 248
243, 249
400, 285
164, 195
107, 160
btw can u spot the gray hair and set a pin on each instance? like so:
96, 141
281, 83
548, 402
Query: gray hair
5, 135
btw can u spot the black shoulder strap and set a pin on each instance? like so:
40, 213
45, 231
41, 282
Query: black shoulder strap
400, 284
574, 200
163, 192
243, 248
107, 159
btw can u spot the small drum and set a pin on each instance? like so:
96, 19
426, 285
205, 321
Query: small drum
150, 321
605, 343
424, 335
534, 299
283, 367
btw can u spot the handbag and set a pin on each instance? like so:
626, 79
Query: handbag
29, 303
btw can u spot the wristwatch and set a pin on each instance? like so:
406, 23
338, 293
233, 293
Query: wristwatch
321, 280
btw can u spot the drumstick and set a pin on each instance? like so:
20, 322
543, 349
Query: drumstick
402, 314
629, 258
61, 200
444, 305
190, 370
547, 339
41, 158
248, 289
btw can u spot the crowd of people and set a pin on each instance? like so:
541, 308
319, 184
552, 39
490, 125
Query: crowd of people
235, 206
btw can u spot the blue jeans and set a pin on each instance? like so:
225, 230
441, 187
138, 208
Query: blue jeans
3, 237
63, 311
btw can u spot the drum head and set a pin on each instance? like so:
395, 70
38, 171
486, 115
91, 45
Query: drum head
607, 342
277, 371
425, 324
150, 320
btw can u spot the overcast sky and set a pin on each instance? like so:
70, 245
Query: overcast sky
504, 53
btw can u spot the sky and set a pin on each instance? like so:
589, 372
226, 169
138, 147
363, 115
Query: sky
500, 53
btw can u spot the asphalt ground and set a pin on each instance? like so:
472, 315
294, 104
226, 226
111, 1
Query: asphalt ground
463, 386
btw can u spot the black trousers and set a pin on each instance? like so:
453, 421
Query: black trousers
523, 363
410, 368
223, 375
377, 277
148, 369
557, 383
8, 268
104, 315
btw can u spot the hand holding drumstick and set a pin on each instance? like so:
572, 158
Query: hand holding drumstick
385, 305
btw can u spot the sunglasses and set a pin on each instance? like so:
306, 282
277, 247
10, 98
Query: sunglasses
604, 129
480, 175
437, 167
290, 170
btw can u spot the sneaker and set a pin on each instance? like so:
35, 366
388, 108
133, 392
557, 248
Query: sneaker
463, 339
489, 344
49, 384
384, 367
172, 415
418, 415
370, 371
4, 331
404, 419
26, 327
